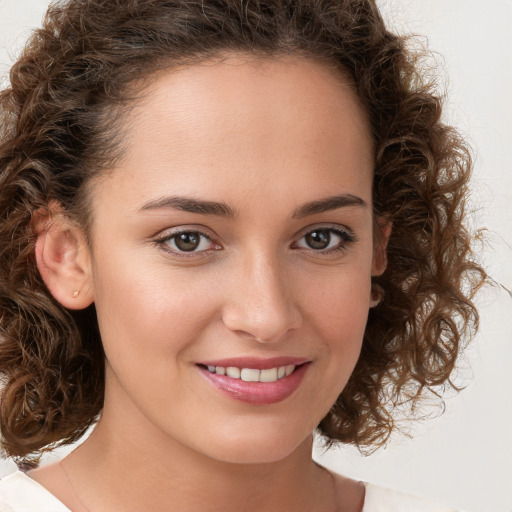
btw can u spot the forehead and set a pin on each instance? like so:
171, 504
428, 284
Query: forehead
242, 87
274, 126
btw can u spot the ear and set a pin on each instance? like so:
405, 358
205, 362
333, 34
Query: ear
63, 258
382, 233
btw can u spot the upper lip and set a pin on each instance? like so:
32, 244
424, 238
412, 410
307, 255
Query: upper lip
256, 363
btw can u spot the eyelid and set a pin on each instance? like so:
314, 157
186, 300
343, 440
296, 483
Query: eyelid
328, 226
163, 237
346, 235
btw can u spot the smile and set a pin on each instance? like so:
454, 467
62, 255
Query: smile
253, 374
256, 381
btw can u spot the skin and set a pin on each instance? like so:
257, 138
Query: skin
264, 138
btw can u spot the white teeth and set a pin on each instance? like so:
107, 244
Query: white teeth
253, 375
250, 375
268, 375
233, 372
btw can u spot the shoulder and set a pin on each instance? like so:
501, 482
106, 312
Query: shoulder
380, 499
19, 493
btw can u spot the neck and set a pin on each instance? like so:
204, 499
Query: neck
138, 468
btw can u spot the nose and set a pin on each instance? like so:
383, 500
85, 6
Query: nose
261, 303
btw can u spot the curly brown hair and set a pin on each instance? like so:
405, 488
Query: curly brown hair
60, 118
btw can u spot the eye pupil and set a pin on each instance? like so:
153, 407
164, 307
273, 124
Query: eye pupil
187, 241
318, 239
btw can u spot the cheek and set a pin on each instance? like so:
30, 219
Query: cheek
149, 324
338, 305
338, 312
144, 313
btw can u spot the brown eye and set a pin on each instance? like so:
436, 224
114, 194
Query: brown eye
188, 241
325, 240
318, 239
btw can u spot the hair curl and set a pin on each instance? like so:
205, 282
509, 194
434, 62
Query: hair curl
58, 130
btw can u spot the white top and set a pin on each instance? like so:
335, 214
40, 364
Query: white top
19, 493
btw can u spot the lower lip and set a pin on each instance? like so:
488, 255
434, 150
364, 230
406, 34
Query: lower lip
257, 393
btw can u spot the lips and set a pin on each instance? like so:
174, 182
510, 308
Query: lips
256, 381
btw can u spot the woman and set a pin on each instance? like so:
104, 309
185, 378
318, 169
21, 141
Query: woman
225, 225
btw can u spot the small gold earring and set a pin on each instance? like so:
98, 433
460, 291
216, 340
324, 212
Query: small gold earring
76, 293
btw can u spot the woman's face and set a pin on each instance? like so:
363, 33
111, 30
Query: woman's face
235, 236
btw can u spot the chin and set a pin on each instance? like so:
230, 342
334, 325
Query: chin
264, 447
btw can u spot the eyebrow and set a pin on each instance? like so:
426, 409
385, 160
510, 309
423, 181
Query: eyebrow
327, 204
191, 205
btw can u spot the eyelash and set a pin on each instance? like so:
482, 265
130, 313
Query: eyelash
346, 239
164, 240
